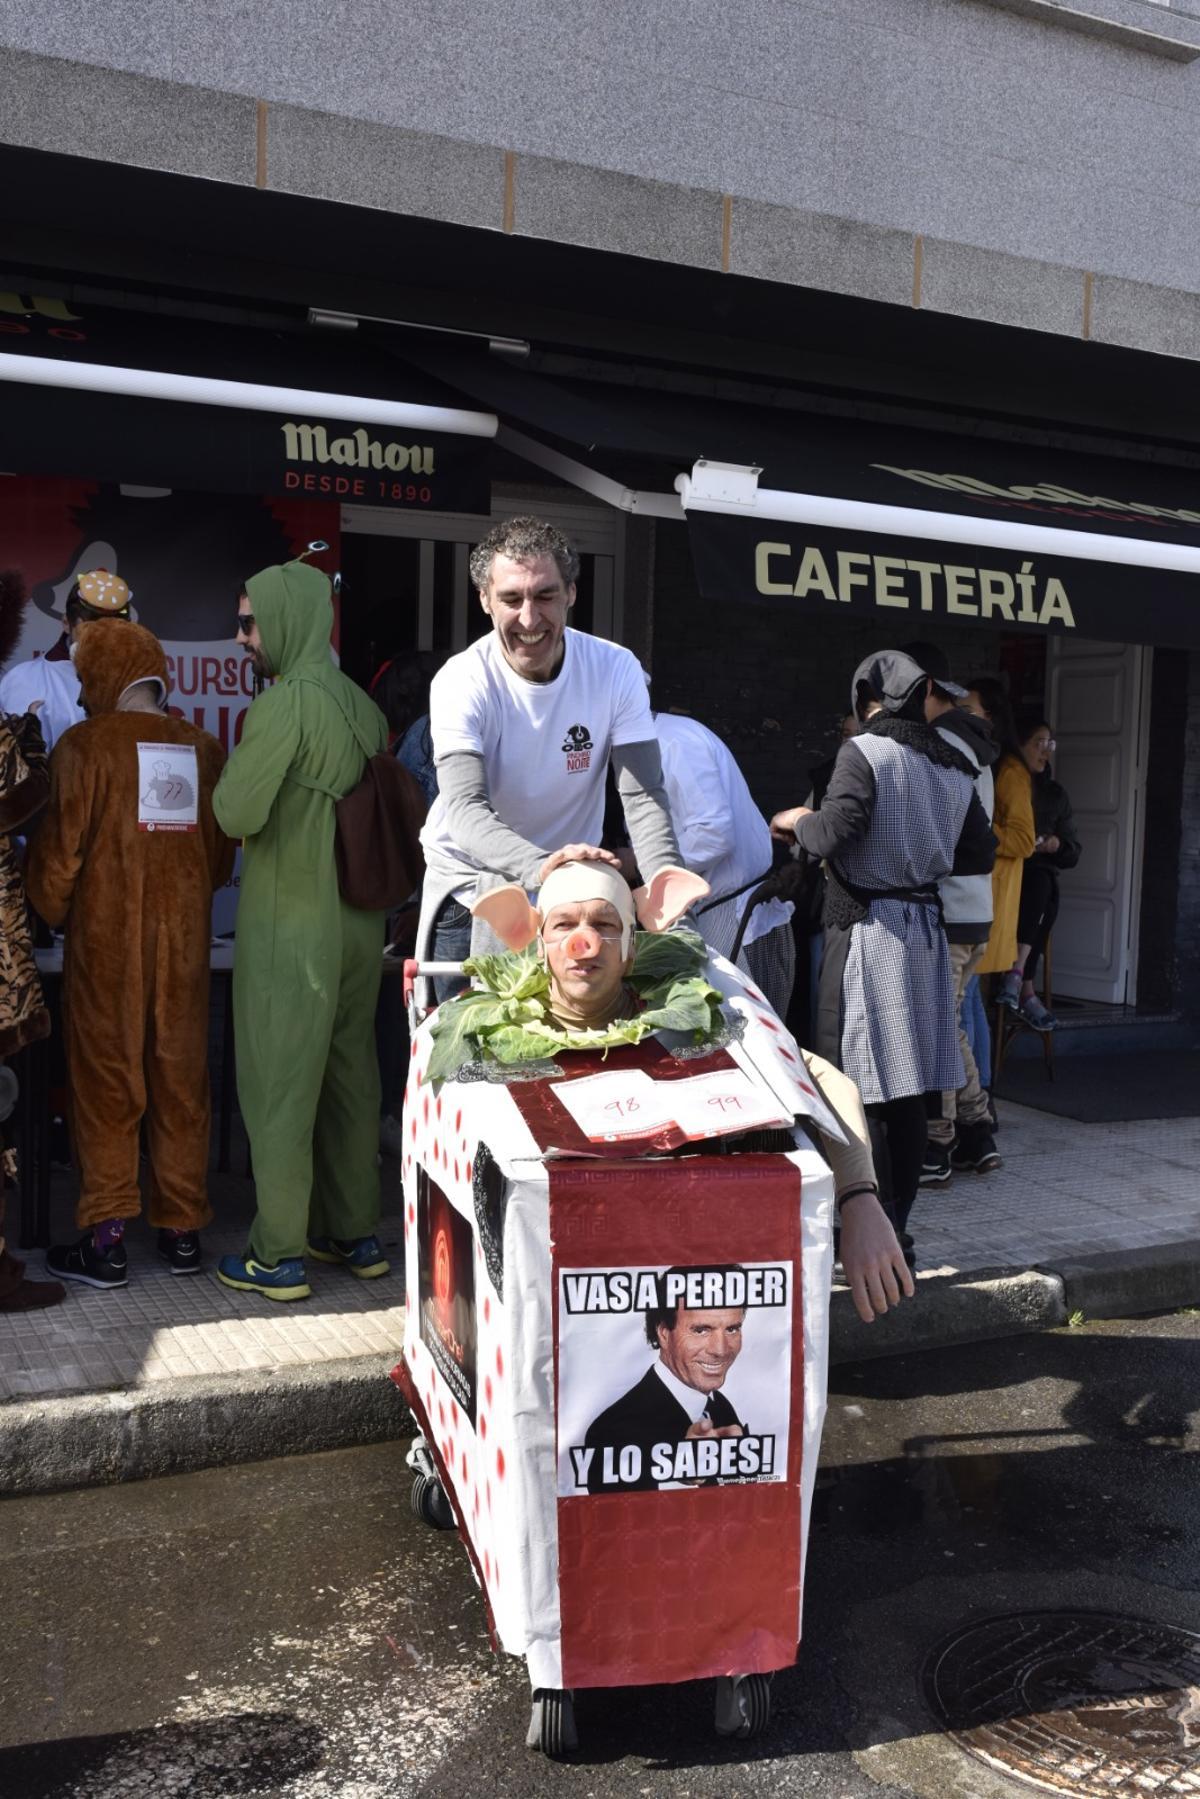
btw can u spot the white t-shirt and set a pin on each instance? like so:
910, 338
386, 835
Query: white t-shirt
545, 744
56, 683
722, 834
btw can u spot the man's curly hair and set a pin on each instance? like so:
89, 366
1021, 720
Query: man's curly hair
522, 538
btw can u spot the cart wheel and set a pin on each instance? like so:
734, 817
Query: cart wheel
552, 1722
429, 1503
743, 1705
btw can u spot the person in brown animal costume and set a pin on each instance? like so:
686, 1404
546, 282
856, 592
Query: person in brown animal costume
128, 858
24, 785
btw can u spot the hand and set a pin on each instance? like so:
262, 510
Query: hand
872, 1259
34, 707
783, 825
576, 852
1051, 845
704, 1427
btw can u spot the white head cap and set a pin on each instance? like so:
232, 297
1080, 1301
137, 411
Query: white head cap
575, 882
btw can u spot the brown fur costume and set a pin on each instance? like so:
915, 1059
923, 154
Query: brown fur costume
137, 908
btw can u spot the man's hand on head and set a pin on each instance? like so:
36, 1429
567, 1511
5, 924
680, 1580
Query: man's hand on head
576, 852
871, 1256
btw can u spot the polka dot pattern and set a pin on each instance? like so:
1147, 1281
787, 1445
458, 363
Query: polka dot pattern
474, 1454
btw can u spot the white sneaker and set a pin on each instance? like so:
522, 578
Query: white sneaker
391, 1135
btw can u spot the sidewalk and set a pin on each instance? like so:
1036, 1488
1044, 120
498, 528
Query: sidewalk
169, 1374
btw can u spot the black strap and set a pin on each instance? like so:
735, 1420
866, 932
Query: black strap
847, 903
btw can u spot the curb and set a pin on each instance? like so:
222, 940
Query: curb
181, 1426
206, 1421
948, 1309
1121, 1283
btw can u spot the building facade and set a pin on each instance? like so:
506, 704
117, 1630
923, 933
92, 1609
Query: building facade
925, 271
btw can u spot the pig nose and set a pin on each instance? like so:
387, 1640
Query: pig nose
583, 943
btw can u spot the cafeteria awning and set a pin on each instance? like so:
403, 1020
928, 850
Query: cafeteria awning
803, 509
156, 399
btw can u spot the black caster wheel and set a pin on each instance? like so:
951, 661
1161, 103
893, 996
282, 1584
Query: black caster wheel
429, 1503
743, 1705
552, 1722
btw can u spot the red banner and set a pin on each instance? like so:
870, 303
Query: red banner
677, 1297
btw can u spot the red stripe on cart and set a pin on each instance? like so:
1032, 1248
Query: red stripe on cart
672, 1585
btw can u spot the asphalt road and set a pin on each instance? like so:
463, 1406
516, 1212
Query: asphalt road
288, 1629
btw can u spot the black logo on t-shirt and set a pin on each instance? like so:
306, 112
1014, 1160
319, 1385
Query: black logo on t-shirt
578, 749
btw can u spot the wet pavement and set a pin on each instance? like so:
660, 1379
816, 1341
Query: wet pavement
288, 1629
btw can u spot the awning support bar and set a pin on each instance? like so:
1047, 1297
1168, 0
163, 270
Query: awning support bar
204, 390
625, 499
698, 493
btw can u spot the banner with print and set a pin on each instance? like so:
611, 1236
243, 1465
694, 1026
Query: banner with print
669, 1377
679, 1360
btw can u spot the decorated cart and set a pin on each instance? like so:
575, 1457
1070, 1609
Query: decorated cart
631, 1516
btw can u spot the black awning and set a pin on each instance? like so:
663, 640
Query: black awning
158, 400
885, 518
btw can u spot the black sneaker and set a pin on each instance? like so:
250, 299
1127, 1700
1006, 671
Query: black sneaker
82, 1261
180, 1251
975, 1150
935, 1169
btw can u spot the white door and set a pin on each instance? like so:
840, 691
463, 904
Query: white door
1098, 700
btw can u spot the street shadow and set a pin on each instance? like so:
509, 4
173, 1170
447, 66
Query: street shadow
212, 1758
1117, 1396
1088, 1509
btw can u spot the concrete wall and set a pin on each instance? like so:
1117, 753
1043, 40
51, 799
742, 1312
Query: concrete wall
954, 153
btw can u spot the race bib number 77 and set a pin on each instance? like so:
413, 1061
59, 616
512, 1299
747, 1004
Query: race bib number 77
168, 787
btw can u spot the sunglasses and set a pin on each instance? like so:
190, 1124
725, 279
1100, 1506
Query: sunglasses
245, 622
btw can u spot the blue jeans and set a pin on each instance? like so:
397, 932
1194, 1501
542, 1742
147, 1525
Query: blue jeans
975, 1024
451, 943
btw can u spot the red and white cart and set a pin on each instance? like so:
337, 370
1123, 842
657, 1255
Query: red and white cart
539, 1215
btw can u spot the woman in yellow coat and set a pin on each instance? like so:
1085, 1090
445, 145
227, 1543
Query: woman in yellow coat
1012, 822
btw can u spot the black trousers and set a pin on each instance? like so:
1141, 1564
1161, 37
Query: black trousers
1038, 911
899, 1131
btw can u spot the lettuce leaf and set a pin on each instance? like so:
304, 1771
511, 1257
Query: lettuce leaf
513, 975
507, 1019
667, 955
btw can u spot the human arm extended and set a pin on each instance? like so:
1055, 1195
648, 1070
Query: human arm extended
872, 1259
254, 773
975, 851
56, 850
478, 832
639, 776
846, 810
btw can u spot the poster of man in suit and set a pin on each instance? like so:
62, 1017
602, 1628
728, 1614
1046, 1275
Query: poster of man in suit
673, 1377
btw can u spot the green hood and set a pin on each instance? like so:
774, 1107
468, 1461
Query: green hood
294, 612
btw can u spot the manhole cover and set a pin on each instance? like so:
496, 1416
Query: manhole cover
1084, 1703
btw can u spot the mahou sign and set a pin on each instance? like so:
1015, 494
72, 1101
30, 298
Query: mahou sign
169, 443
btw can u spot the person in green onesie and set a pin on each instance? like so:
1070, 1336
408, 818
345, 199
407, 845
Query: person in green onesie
307, 966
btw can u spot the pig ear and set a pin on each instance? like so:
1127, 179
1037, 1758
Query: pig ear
507, 911
667, 897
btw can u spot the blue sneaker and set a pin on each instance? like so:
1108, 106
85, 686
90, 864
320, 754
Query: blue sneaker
361, 1255
286, 1280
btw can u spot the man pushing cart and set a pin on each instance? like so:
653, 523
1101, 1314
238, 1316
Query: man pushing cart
621, 1180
